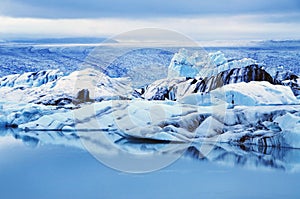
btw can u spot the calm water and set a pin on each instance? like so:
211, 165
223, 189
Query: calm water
44, 170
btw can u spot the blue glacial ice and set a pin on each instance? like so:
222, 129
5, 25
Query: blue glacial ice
235, 102
187, 63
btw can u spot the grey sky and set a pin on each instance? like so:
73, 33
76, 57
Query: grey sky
142, 8
200, 19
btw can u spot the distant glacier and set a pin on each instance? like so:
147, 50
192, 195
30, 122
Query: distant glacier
34, 57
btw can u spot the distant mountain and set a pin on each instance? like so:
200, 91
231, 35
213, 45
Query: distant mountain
280, 43
250, 43
69, 40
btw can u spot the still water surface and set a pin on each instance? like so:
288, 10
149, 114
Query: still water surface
58, 171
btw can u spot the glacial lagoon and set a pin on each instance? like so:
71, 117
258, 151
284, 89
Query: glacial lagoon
172, 155
32, 169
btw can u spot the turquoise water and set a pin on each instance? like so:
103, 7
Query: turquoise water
55, 171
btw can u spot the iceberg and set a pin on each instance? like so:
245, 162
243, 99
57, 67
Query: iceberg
176, 88
53, 88
236, 102
201, 64
177, 122
14, 114
256, 93
285, 77
294, 84
243, 94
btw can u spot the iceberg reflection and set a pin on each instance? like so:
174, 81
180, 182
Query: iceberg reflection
110, 145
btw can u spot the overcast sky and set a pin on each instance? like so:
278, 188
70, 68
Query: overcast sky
198, 19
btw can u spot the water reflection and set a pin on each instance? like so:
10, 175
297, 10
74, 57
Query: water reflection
110, 144
252, 157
